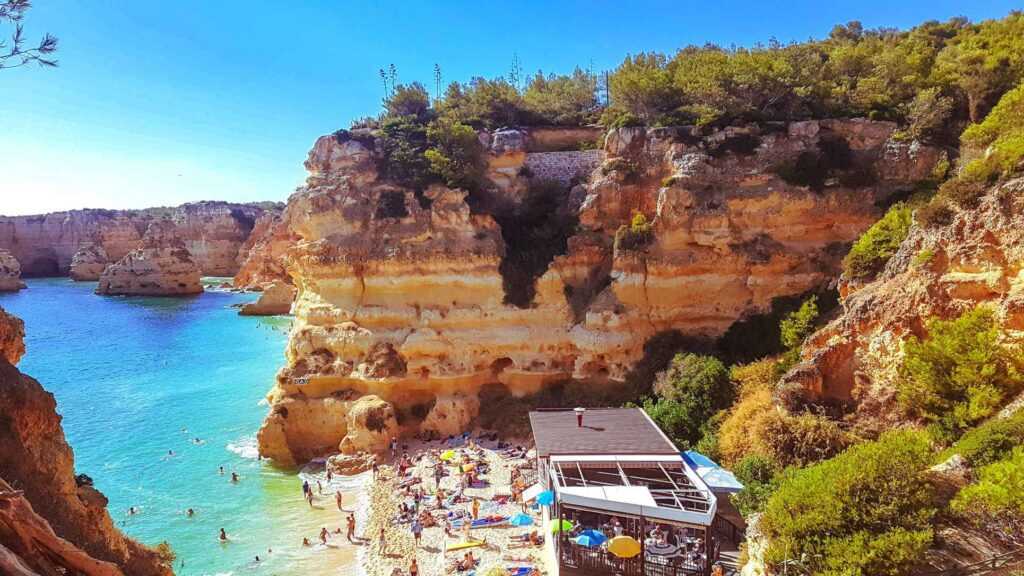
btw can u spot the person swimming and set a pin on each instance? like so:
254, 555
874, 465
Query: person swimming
190, 512
305, 541
220, 470
223, 535
132, 511
234, 477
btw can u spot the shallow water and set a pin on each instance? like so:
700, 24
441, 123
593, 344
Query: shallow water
137, 377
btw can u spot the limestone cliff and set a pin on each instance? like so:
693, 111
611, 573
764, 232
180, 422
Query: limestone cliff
50, 522
407, 296
160, 266
275, 299
940, 271
10, 273
83, 242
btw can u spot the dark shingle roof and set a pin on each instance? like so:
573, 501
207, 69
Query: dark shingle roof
611, 431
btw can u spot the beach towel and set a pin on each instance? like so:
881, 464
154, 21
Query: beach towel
487, 522
464, 545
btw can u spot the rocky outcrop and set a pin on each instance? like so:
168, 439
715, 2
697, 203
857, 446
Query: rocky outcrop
402, 295
161, 266
47, 244
10, 273
263, 258
275, 299
88, 264
940, 272
50, 523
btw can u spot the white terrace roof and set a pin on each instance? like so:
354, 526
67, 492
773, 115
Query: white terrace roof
656, 486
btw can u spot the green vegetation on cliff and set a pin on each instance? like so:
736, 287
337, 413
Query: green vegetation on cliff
864, 512
960, 373
875, 247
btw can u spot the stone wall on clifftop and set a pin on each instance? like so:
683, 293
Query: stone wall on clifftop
403, 297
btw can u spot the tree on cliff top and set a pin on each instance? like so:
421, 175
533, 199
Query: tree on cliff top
14, 52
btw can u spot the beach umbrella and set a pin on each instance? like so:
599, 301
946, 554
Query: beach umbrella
546, 497
624, 546
496, 570
564, 526
468, 467
590, 538
521, 520
447, 455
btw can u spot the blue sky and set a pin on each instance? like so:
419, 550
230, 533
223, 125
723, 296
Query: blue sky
158, 103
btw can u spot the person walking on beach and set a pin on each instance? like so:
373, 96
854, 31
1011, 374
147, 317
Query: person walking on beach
329, 476
417, 531
309, 498
414, 570
476, 509
394, 448
337, 499
305, 487
438, 474
323, 535
383, 540
351, 527
319, 488
374, 468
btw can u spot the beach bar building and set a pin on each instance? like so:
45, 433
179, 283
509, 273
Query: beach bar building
622, 498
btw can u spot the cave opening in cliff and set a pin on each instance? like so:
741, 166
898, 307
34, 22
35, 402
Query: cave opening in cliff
41, 267
535, 231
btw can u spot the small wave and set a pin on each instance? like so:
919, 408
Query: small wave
263, 402
245, 447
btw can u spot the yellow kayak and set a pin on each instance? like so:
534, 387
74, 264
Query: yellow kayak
464, 545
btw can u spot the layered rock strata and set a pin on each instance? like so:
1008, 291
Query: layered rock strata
401, 295
10, 273
160, 266
50, 523
939, 271
50, 244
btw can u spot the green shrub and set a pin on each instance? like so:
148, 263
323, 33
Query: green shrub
964, 194
997, 498
483, 103
408, 100
564, 100
864, 512
760, 477
923, 258
929, 115
960, 373
989, 442
401, 143
691, 391
455, 154
799, 324
878, 244
637, 236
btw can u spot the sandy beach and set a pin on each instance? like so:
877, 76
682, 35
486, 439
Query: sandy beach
492, 495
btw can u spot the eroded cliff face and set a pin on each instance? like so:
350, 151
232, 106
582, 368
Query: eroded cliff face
937, 272
404, 296
49, 522
81, 243
160, 266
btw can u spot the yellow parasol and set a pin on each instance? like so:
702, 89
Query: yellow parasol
624, 546
468, 467
447, 455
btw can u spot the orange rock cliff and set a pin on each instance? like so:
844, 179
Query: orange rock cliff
409, 301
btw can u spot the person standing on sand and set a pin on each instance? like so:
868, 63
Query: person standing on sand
329, 475
351, 527
319, 488
476, 509
414, 570
323, 535
309, 498
438, 474
374, 468
305, 487
337, 499
417, 531
383, 540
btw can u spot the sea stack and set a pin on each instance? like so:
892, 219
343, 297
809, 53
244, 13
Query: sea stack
275, 299
161, 266
88, 264
10, 273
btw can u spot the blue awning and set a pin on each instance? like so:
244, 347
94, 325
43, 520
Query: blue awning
717, 478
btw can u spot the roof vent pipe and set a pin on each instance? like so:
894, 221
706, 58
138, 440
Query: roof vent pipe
579, 416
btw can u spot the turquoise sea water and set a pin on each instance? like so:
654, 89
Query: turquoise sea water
137, 377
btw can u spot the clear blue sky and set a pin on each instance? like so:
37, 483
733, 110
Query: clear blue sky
158, 103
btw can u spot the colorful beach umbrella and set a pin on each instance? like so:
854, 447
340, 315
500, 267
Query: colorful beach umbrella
545, 498
590, 538
447, 455
468, 467
563, 526
521, 520
624, 546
